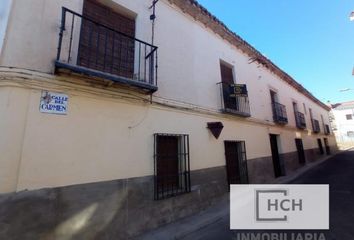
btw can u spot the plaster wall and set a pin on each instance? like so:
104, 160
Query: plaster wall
103, 138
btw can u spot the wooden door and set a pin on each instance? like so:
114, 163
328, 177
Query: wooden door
167, 163
103, 49
328, 150
277, 164
227, 86
236, 162
241, 152
300, 150
320, 147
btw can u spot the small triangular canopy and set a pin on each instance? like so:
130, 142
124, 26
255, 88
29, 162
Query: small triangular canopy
215, 128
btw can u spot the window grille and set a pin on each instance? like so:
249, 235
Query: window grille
171, 165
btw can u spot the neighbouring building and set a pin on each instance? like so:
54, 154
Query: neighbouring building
117, 116
342, 122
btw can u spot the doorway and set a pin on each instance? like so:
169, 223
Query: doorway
320, 147
167, 163
104, 49
279, 169
328, 150
300, 150
236, 162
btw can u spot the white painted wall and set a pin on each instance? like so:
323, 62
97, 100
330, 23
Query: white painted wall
192, 54
32, 38
5, 8
343, 125
189, 55
102, 138
13, 112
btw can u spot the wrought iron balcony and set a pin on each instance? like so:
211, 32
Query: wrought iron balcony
300, 120
315, 126
90, 48
279, 113
234, 99
326, 129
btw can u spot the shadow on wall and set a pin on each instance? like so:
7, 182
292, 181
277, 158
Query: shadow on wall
62, 213
93, 218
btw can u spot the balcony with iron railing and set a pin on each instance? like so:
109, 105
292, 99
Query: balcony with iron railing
315, 126
279, 113
300, 120
234, 99
90, 48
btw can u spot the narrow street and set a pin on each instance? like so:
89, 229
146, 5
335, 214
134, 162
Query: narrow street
337, 171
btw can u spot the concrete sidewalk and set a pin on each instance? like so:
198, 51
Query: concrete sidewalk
219, 212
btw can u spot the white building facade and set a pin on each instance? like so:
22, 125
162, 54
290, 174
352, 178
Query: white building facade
138, 124
343, 123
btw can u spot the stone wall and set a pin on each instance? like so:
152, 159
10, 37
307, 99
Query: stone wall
291, 162
261, 170
106, 210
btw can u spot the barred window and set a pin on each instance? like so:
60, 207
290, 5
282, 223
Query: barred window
172, 168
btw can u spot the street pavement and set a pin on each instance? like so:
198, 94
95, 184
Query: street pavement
338, 172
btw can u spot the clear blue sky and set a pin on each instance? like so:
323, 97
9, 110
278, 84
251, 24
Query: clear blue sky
311, 40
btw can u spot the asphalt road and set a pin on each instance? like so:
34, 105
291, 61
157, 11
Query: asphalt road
338, 172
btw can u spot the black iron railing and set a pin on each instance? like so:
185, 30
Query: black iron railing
172, 165
91, 48
232, 102
279, 113
315, 126
300, 120
170, 185
326, 129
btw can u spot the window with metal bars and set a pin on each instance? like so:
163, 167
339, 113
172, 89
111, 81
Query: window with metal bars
171, 165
